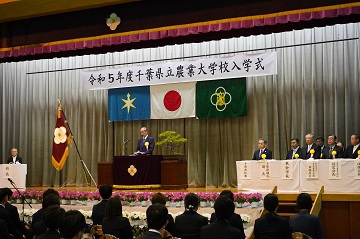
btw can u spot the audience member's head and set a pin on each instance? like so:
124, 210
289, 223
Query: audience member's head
50, 191
228, 194
304, 201
105, 191
49, 200
192, 202
340, 144
156, 216
9, 193
271, 202
3, 196
52, 215
224, 208
113, 208
71, 224
158, 198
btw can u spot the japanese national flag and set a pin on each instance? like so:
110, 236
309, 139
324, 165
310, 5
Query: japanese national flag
172, 101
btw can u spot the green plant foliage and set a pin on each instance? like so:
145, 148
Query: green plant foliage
171, 140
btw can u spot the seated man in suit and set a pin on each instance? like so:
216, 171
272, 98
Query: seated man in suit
305, 222
295, 149
262, 150
320, 142
15, 159
310, 145
235, 219
271, 225
98, 212
6, 216
38, 225
72, 224
146, 143
51, 217
351, 151
221, 228
156, 218
332, 148
15, 218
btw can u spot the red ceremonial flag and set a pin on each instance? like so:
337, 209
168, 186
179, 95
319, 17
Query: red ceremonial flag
60, 143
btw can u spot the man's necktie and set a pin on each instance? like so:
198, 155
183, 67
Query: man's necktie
330, 152
260, 153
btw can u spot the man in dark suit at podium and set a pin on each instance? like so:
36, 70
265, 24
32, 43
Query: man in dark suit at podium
295, 149
351, 151
146, 143
262, 150
14, 157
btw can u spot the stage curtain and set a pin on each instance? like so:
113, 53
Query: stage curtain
315, 91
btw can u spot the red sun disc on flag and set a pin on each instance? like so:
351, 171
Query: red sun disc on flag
172, 100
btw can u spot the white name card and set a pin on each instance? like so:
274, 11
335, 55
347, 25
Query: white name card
264, 170
357, 168
287, 169
335, 169
8, 172
245, 170
312, 168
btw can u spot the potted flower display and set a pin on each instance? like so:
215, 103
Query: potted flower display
245, 220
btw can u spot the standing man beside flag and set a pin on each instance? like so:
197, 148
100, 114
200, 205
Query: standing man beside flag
146, 143
61, 140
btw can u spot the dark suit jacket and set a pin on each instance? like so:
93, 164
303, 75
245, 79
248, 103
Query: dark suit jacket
290, 153
235, 221
150, 235
272, 227
266, 151
306, 223
171, 224
119, 227
306, 155
221, 229
188, 225
49, 234
98, 212
18, 159
4, 232
141, 145
15, 218
6, 215
348, 154
37, 217
328, 155
39, 228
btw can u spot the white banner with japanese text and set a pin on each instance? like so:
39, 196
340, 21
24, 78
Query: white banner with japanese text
264, 169
244, 170
181, 71
287, 169
312, 168
335, 169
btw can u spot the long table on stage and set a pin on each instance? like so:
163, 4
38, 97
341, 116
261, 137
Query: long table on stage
339, 175
140, 171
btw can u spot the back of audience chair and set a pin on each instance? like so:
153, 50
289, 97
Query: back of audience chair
300, 235
107, 236
166, 235
96, 231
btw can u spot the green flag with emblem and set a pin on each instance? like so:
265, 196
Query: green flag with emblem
221, 98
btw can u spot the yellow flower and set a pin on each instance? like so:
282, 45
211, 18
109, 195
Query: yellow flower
296, 156
312, 151
146, 144
358, 152
333, 153
60, 135
263, 156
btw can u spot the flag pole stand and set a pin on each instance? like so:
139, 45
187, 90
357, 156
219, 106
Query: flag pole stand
85, 168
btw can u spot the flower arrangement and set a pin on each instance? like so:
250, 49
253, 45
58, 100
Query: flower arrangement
254, 197
141, 197
245, 218
263, 156
81, 196
204, 197
94, 196
239, 198
297, 156
130, 197
171, 140
67, 195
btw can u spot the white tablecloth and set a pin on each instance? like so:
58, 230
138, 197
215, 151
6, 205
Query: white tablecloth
347, 184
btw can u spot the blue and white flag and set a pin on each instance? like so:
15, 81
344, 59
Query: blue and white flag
132, 103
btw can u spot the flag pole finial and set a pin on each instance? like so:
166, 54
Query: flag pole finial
59, 108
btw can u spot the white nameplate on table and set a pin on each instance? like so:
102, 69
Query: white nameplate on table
264, 169
245, 170
7, 172
357, 168
335, 169
287, 169
312, 169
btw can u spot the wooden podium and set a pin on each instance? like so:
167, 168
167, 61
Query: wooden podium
105, 173
174, 172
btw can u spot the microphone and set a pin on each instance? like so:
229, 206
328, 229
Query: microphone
11, 181
126, 141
